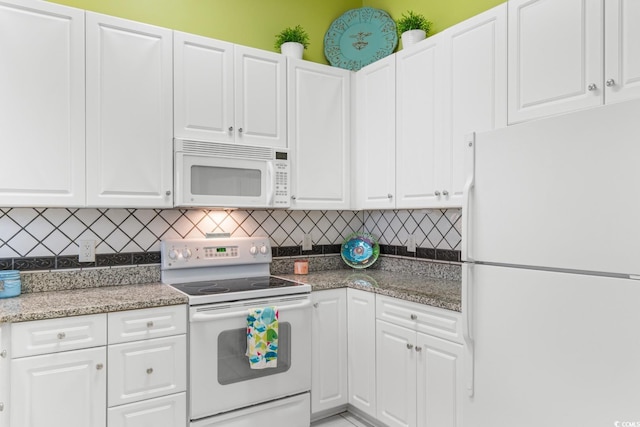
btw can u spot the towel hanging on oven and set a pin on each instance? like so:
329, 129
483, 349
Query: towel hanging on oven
262, 337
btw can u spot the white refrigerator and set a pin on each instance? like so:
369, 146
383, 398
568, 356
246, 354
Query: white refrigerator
551, 273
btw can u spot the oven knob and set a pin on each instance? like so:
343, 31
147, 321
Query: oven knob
253, 250
186, 253
173, 254
263, 249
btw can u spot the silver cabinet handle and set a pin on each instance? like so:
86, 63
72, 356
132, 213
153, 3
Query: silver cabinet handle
99, 366
230, 128
437, 193
409, 346
168, 192
316, 305
149, 371
610, 83
445, 193
414, 316
389, 196
293, 197
3, 353
62, 336
592, 87
150, 324
418, 348
240, 130
1, 406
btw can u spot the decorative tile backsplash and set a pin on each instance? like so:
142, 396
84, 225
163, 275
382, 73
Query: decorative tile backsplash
48, 238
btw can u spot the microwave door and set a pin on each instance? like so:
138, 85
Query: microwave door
221, 182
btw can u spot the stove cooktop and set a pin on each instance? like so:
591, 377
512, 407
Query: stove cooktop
211, 291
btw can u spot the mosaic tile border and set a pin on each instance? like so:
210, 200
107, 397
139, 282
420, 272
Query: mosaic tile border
450, 255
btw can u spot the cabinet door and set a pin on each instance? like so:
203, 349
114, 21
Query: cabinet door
144, 369
329, 350
261, 96
319, 134
361, 350
475, 78
395, 375
555, 57
203, 88
622, 50
41, 104
5, 373
60, 390
419, 117
375, 153
439, 376
129, 113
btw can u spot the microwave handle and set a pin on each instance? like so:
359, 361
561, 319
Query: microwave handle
270, 184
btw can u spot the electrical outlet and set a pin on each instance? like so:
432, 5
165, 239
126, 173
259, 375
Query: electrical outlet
411, 243
307, 242
87, 251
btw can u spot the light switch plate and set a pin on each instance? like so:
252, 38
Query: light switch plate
307, 242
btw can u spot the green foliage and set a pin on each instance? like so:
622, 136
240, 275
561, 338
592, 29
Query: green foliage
292, 34
412, 21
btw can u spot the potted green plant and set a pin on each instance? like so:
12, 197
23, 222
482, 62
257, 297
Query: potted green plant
292, 41
412, 27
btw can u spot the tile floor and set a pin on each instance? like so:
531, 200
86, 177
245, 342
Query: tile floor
344, 419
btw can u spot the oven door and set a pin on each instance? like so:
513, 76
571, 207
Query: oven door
220, 377
222, 182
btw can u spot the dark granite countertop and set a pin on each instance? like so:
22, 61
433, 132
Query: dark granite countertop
422, 289
76, 302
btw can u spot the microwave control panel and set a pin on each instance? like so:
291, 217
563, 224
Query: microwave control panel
282, 189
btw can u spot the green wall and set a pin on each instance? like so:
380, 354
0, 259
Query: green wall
255, 22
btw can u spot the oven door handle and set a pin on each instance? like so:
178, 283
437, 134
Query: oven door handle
208, 316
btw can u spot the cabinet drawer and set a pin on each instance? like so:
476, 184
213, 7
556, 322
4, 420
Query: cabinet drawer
133, 325
145, 369
55, 335
167, 411
421, 318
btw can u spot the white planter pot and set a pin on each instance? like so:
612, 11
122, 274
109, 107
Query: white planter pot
292, 49
412, 36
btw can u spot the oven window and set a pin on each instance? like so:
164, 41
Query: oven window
233, 364
220, 181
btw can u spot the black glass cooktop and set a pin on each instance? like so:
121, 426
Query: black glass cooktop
211, 287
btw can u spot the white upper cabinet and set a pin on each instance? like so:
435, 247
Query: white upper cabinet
129, 113
261, 96
475, 97
419, 115
42, 104
622, 50
229, 93
374, 149
203, 88
555, 56
319, 123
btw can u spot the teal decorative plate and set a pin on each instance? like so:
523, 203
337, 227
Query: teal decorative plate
360, 37
360, 250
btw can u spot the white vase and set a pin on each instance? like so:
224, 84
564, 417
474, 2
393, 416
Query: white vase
412, 36
292, 49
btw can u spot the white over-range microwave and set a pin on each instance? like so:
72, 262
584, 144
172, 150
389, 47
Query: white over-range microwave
211, 174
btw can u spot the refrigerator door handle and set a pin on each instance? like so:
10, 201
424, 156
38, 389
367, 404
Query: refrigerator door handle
467, 327
470, 140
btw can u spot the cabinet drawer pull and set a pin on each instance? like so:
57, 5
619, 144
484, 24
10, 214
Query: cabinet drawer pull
437, 193
445, 193
1, 406
316, 305
414, 317
62, 336
230, 128
149, 371
409, 346
99, 366
389, 196
168, 192
3, 353
611, 82
592, 87
240, 130
150, 324
418, 348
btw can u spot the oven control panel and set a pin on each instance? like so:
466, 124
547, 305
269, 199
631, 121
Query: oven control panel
202, 252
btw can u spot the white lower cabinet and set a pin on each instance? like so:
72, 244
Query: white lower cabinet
329, 350
166, 411
418, 374
361, 349
56, 387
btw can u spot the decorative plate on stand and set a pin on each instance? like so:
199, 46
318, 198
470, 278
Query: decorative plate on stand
360, 250
360, 37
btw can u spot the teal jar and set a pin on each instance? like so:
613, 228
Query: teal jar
10, 285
